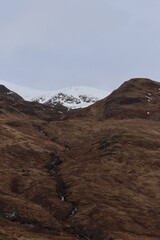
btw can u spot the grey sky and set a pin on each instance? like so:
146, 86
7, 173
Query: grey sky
51, 44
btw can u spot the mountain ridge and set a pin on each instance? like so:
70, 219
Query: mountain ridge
71, 97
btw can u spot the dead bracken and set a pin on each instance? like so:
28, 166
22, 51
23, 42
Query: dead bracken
89, 173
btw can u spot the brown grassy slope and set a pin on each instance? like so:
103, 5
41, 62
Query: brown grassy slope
134, 99
107, 169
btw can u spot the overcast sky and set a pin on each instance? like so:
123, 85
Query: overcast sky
52, 44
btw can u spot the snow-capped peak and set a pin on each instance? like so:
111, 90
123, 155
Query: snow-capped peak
71, 97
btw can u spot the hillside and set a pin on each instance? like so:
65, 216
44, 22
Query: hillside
137, 98
84, 174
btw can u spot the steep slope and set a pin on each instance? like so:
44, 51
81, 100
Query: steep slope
5, 92
73, 97
81, 174
25, 92
136, 98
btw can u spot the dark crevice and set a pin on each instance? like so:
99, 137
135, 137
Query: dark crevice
13, 216
53, 164
73, 211
90, 234
40, 129
61, 189
53, 169
67, 147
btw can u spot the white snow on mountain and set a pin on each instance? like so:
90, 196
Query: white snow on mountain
27, 93
72, 97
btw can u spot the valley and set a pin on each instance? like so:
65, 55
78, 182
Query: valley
89, 174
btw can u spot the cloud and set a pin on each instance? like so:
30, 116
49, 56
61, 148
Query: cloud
22, 31
58, 43
64, 25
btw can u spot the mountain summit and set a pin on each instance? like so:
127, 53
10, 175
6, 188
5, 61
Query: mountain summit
136, 98
72, 97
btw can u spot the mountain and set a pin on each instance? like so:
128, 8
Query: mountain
73, 97
90, 173
10, 94
136, 98
25, 92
